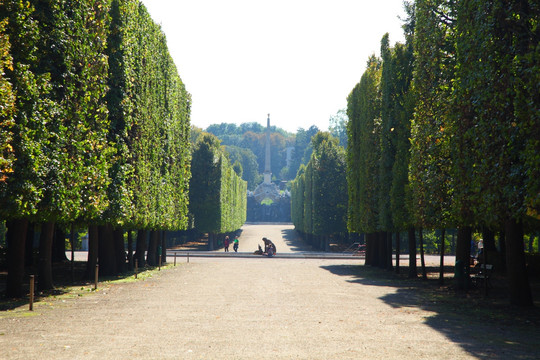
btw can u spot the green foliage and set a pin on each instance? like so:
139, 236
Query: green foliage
402, 107
149, 109
248, 161
298, 199
329, 186
267, 201
100, 124
319, 192
218, 196
302, 149
252, 137
59, 74
7, 105
431, 163
497, 87
363, 110
237, 167
24, 127
338, 127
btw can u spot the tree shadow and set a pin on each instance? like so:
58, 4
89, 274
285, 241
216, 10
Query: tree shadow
292, 240
487, 328
64, 282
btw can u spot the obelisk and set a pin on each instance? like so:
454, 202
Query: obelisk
267, 171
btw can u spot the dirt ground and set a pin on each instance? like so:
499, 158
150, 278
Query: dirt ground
265, 308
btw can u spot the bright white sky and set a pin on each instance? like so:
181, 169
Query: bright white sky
295, 59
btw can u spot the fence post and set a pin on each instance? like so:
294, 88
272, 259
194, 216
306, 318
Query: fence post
97, 277
31, 293
175, 259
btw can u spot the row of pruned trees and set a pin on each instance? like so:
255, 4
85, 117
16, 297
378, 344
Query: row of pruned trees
218, 195
319, 193
444, 132
94, 131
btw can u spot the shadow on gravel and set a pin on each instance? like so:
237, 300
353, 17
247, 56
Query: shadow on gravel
291, 238
65, 284
487, 328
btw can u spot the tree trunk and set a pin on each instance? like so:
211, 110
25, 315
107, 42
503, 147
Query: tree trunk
142, 236
16, 241
163, 247
488, 237
422, 261
383, 250
119, 250
375, 259
398, 250
369, 249
441, 268
151, 257
210, 241
520, 291
29, 245
59, 245
107, 259
463, 256
93, 247
413, 271
130, 250
72, 246
389, 251
45, 278
502, 244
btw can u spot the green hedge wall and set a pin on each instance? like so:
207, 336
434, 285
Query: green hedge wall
218, 196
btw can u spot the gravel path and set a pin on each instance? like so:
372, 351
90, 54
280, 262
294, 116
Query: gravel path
226, 308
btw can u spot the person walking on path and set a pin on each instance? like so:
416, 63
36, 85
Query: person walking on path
235, 243
226, 244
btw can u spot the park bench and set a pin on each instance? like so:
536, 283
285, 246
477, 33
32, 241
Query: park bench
356, 249
482, 274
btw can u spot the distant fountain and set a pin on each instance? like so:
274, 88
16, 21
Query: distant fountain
267, 203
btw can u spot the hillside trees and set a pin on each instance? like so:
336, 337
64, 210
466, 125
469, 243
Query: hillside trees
252, 136
249, 163
302, 149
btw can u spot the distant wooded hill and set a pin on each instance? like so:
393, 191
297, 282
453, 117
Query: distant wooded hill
245, 144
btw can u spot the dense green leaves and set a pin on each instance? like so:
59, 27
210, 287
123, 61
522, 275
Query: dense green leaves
363, 110
94, 126
457, 144
218, 196
7, 102
319, 192
431, 164
149, 110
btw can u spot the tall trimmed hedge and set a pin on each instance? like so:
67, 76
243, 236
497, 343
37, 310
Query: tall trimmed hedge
467, 156
218, 196
94, 126
319, 193
149, 109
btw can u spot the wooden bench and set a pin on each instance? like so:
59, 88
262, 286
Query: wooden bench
482, 274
